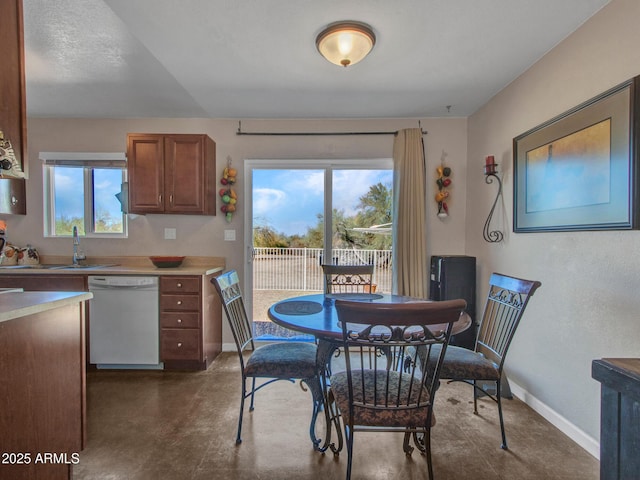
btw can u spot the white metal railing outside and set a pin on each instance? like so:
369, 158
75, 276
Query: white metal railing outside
301, 268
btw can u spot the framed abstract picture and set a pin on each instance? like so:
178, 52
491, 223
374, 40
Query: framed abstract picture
580, 170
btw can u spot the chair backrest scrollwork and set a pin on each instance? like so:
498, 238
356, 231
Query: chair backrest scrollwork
228, 287
382, 340
506, 301
347, 278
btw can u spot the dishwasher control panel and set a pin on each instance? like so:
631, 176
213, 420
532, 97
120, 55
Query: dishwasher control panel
121, 281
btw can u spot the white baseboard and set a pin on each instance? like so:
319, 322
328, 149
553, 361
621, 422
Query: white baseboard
228, 347
587, 442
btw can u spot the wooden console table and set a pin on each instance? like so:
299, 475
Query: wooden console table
619, 418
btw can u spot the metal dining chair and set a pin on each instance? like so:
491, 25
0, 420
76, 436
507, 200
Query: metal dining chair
382, 388
339, 279
506, 302
347, 278
271, 362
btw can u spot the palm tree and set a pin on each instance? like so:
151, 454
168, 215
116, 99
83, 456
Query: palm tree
376, 209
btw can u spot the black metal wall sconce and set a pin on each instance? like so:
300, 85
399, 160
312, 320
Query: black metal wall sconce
491, 172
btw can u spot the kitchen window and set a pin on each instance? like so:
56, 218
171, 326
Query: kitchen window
84, 190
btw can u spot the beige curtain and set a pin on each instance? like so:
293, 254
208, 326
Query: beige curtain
409, 215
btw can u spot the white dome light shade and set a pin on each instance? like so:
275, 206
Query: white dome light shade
345, 43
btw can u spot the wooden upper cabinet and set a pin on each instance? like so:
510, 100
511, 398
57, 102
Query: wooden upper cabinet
13, 196
145, 168
185, 169
13, 119
171, 173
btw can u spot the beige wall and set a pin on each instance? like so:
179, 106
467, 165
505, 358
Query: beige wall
198, 235
588, 305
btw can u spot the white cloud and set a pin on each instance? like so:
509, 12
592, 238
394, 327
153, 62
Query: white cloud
305, 182
265, 200
350, 185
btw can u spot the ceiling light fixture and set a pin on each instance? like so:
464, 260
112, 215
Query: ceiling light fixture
345, 43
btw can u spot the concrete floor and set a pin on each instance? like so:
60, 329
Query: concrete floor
181, 425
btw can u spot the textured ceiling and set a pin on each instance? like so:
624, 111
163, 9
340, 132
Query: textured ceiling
257, 58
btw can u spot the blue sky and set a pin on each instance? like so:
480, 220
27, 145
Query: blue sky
289, 200
69, 191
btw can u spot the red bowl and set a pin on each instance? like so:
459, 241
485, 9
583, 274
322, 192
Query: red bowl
166, 262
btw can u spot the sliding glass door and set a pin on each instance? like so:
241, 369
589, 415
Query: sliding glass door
288, 236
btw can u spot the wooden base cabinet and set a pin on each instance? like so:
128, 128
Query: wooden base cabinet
190, 322
45, 283
173, 174
42, 406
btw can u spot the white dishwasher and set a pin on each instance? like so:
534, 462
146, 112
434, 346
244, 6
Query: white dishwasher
124, 325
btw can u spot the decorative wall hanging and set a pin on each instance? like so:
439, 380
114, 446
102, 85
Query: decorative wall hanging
443, 181
228, 194
9, 165
580, 170
491, 172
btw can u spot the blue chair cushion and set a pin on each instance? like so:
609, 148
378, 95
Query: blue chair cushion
283, 360
381, 416
464, 364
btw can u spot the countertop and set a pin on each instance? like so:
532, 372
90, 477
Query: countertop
21, 304
120, 266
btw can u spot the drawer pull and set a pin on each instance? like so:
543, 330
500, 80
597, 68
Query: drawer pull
179, 285
179, 344
179, 302
179, 320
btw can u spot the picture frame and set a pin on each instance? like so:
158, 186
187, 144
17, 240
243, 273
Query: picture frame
580, 170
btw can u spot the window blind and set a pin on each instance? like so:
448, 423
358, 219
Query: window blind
85, 159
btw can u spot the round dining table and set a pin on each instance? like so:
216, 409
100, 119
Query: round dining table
316, 315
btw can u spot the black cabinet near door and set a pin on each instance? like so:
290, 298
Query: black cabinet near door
619, 417
451, 277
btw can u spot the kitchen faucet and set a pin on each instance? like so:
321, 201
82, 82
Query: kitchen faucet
77, 252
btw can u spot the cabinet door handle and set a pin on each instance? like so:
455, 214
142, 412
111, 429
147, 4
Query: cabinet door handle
179, 302
179, 320
179, 344
171, 199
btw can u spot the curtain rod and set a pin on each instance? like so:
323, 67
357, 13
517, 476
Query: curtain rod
240, 132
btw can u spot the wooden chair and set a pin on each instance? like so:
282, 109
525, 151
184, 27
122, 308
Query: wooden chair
506, 301
382, 388
274, 361
347, 278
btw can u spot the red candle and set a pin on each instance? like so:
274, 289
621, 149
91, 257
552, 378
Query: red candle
490, 165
